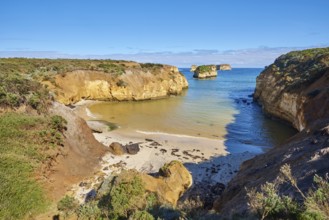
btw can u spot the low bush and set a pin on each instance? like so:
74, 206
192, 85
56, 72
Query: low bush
67, 206
267, 203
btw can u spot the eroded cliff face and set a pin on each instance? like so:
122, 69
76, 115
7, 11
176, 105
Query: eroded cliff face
295, 87
131, 85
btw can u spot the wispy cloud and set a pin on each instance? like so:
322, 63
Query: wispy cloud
253, 57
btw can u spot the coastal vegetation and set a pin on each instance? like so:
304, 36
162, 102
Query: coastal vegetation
32, 138
267, 203
204, 68
27, 145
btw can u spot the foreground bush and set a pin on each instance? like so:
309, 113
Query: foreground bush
267, 203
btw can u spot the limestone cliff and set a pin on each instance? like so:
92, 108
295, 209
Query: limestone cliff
205, 71
295, 87
132, 84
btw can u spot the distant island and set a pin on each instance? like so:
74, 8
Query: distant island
208, 71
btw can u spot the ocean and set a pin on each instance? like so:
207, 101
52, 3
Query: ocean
217, 108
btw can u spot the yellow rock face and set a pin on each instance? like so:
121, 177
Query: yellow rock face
171, 186
168, 188
132, 85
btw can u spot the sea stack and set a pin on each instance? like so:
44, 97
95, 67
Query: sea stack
193, 68
224, 67
205, 71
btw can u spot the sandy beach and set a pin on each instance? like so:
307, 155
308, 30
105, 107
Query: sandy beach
205, 158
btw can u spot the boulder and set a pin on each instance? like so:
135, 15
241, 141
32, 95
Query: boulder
173, 181
132, 148
167, 188
117, 149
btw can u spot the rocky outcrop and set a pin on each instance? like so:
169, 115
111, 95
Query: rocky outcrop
133, 84
224, 67
295, 87
169, 185
205, 71
193, 68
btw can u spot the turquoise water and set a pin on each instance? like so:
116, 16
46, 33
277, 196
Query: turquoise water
218, 108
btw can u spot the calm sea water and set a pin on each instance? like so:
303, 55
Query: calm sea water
219, 108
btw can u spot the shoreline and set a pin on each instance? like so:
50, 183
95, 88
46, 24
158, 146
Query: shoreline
207, 159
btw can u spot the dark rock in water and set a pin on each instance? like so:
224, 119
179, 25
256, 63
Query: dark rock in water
149, 140
117, 148
132, 148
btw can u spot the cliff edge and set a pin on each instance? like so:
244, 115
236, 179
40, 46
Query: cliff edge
294, 88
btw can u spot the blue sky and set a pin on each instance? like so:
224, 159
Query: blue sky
179, 32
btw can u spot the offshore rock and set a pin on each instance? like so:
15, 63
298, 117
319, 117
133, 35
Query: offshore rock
193, 68
224, 67
205, 71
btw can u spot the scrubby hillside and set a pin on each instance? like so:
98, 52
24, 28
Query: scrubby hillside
44, 146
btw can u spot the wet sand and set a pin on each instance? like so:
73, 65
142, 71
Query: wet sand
205, 158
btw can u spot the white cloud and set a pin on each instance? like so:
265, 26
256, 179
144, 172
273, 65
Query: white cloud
254, 57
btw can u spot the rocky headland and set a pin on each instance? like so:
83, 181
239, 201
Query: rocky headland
134, 83
295, 89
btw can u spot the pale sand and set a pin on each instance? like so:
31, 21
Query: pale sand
206, 159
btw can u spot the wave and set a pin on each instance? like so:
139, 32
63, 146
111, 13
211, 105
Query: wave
89, 114
170, 134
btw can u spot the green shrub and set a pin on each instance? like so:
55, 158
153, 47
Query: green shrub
141, 215
151, 65
67, 206
126, 197
89, 211
317, 201
58, 123
267, 203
